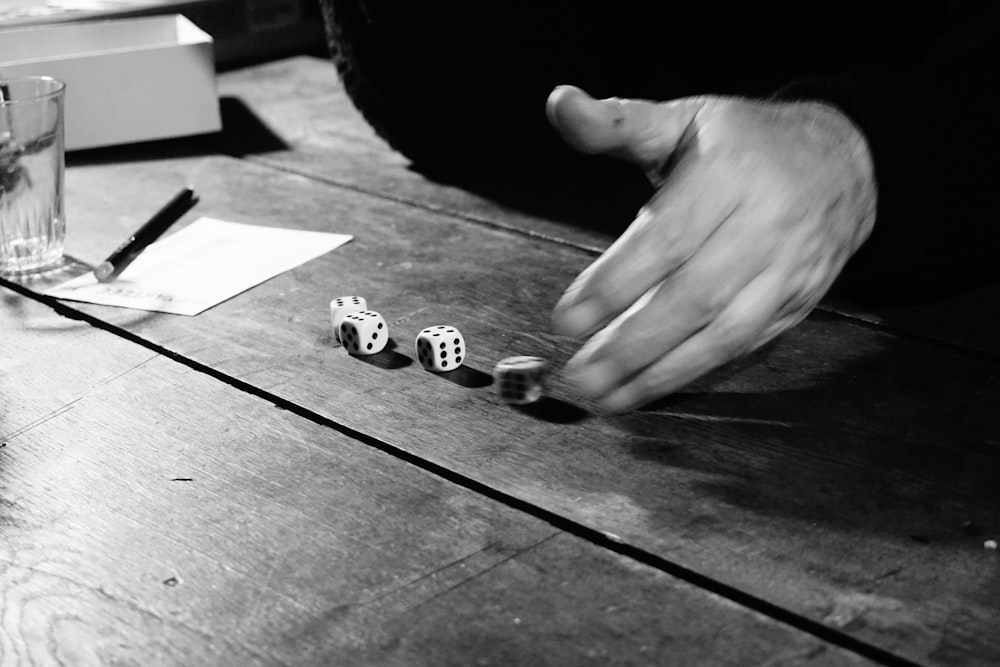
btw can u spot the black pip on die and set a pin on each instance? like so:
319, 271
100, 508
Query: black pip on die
364, 332
440, 348
520, 380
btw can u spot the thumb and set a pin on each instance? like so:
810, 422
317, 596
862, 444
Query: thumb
638, 131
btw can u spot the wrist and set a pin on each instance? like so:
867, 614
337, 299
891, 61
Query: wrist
848, 145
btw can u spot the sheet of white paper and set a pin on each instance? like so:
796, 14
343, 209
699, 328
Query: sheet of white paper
202, 265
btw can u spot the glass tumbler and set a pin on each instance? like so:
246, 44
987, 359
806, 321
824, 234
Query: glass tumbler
32, 223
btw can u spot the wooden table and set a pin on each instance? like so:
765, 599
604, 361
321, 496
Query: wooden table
233, 489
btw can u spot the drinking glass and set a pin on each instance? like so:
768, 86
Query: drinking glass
32, 224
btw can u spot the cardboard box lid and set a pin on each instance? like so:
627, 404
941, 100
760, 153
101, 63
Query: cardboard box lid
127, 80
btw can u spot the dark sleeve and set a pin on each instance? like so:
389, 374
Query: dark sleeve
933, 128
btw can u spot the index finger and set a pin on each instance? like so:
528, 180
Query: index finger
684, 213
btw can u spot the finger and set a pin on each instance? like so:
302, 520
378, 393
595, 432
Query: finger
669, 314
668, 231
642, 132
753, 318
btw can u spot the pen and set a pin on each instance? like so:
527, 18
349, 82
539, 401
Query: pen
110, 268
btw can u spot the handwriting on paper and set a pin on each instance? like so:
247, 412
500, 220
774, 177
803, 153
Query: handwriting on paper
202, 265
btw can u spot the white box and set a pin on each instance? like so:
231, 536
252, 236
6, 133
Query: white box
127, 80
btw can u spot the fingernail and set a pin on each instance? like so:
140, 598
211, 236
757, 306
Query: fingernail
577, 319
618, 402
592, 378
558, 97
566, 89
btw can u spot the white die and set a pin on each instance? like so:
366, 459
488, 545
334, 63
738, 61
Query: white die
520, 380
364, 332
440, 348
343, 306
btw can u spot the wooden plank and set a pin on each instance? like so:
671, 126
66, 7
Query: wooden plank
842, 473
163, 517
968, 319
29, 342
302, 101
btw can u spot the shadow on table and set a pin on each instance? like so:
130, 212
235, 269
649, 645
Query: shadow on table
243, 133
465, 376
595, 193
968, 318
388, 359
554, 410
833, 423
874, 467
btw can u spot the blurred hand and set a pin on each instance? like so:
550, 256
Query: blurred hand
758, 207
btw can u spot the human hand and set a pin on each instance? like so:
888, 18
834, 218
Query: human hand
759, 205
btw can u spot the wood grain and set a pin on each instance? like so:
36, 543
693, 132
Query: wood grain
969, 319
33, 338
301, 101
164, 517
843, 473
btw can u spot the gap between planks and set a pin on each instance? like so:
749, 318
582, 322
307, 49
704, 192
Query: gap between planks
605, 540
595, 251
